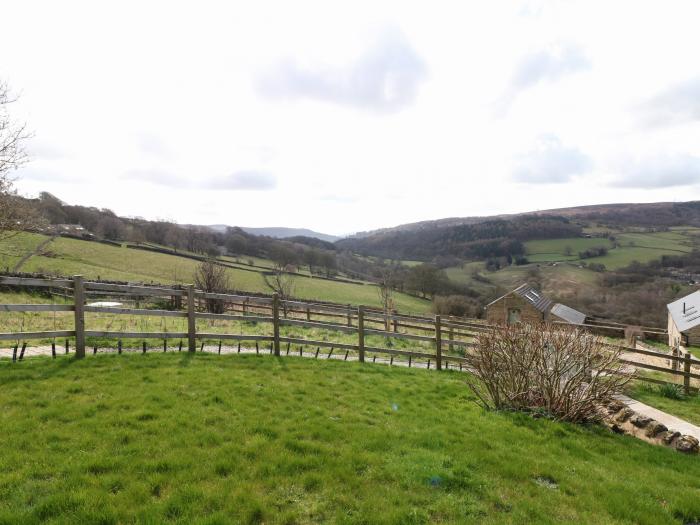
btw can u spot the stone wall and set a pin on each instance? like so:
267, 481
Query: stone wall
497, 313
623, 420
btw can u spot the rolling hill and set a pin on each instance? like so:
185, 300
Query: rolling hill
281, 232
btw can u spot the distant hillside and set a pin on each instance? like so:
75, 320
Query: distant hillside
504, 235
654, 214
490, 238
281, 232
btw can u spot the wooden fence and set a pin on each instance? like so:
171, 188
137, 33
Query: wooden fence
441, 335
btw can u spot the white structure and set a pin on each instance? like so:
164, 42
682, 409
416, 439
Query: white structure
684, 321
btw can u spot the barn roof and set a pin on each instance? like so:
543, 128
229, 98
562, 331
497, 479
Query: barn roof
531, 295
686, 311
568, 314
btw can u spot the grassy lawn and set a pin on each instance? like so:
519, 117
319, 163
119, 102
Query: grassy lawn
686, 407
94, 260
253, 439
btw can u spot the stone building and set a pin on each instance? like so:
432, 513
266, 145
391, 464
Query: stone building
525, 304
684, 321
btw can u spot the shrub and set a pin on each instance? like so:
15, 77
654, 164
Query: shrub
456, 305
671, 391
564, 372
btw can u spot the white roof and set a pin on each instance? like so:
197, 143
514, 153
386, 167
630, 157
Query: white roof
686, 311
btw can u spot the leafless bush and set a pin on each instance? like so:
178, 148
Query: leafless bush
564, 372
283, 283
16, 213
211, 277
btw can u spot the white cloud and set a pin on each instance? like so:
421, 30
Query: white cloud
550, 163
245, 180
548, 64
385, 78
660, 171
678, 104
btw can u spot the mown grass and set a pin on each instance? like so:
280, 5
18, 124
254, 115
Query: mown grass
252, 439
66, 257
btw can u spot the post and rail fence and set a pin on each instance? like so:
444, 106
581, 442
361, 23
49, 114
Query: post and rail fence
440, 335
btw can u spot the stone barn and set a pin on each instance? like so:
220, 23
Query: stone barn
524, 304
684, 321
528, 305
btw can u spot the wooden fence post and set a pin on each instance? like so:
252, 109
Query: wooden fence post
308, 314
191, 325
276, 323
349, 315
361, 332
395, 322
686, 371
438, 343
452, 338
79, 301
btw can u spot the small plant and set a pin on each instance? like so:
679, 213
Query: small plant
671, 391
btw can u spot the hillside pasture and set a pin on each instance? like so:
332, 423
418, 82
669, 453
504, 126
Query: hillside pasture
13, 248
199, 438
94, 260
552, 250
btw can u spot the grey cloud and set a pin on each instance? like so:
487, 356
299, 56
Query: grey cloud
550, 163
385, 78
239, 180
544, 65
152, 145
677, 104
663, 171
47, 175
158, 176
245, 180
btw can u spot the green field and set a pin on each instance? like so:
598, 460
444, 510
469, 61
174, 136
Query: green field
12, 249
66, 257
252, 439
640, 247
551, 250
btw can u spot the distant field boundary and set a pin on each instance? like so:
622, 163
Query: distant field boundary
441, 333
236, 266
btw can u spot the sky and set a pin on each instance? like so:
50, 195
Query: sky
350, 116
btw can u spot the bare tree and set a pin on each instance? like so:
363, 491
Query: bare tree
16, 213
283, 284
565, 372
385, 291
212, 278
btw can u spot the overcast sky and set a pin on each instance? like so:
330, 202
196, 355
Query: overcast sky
350, 116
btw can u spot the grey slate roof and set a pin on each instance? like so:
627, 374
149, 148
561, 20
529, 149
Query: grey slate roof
531, 295
689, 317
568, 314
